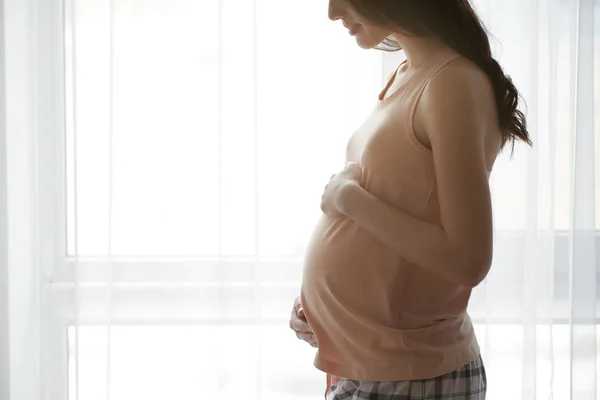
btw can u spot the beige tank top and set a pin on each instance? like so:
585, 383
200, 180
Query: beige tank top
376, 316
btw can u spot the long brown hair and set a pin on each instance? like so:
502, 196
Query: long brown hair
456, 24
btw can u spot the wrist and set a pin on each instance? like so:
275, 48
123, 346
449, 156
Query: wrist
349, 197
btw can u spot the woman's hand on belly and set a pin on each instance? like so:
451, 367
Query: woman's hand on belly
299, 324
334, 195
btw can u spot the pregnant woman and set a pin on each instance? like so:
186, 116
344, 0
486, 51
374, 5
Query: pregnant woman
406, 231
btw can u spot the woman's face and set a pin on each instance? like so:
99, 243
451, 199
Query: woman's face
367, 36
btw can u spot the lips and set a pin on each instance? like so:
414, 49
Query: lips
353, 29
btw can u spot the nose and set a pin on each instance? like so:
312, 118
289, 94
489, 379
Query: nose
336, 10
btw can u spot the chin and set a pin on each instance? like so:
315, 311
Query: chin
366, 42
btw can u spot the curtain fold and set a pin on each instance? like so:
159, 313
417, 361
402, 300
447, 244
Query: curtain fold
4, 305
20, 292
582, 265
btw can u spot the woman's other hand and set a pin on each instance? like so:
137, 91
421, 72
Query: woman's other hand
299, 324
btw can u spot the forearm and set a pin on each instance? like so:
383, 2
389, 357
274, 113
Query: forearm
422, 243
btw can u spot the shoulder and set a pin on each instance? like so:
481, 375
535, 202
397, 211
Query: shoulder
461, 86
459, 95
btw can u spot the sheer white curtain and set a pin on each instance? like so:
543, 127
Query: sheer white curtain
165, 161
4, 318
538, 305
20, 327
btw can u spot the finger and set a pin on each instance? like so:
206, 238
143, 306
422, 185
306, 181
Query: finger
299, 325
353, 167
354, 171
307, 337
312, 340
302, 328
297, 306
301, 313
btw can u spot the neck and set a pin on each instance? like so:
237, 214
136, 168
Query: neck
418, 49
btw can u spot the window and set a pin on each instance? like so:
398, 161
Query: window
194, 148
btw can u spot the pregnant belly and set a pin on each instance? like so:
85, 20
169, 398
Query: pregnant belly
330, 249
347, 268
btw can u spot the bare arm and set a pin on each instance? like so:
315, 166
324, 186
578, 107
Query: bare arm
461, 248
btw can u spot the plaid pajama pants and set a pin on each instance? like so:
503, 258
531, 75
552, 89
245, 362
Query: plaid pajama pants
466, 383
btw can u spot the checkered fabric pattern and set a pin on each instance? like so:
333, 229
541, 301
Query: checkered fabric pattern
466, 383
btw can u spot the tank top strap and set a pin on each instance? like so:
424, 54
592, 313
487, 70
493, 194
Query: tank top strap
417, 78
436, 65
416, 91
426, 74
